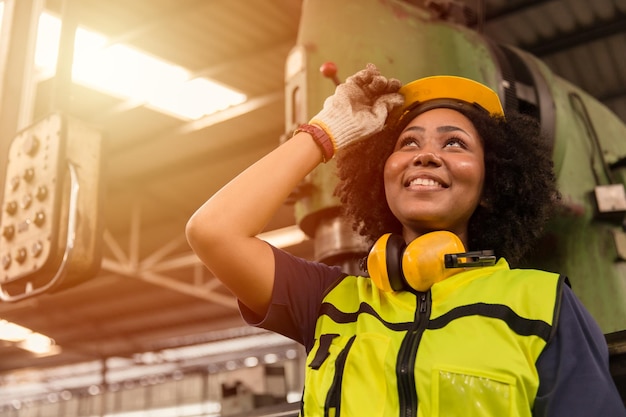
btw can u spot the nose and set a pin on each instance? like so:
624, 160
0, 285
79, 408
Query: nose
427, 158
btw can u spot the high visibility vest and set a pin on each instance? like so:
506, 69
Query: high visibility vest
467, 347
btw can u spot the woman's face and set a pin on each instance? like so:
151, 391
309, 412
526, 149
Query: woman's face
434, 177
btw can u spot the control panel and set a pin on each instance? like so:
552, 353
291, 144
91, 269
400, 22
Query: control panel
50, 220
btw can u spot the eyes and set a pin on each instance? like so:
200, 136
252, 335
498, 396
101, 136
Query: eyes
452, 141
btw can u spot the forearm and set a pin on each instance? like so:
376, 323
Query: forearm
222, 231
245, 205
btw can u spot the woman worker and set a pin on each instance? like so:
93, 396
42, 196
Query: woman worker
427, 171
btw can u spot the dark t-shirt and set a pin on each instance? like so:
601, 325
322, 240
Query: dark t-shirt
574, 377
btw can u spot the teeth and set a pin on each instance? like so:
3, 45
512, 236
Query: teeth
426, 182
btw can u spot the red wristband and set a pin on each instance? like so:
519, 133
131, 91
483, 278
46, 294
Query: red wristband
321, 138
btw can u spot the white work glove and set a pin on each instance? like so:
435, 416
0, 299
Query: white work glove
359, 107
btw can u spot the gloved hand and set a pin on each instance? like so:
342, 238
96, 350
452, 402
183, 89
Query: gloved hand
359, 107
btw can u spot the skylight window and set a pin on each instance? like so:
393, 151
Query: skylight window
1, 14
130, 74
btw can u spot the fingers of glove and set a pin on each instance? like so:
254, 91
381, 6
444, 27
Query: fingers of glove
347, 93
393, 85
392, 100
373, 83
376, 86
382, 85
384, 104
364, 76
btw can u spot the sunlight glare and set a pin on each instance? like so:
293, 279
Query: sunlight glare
37, 343
26, 339
130, 74
47, 49
12, 332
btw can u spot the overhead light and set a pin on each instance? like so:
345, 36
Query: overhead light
39, 344
130, 74
12, 332
25, 338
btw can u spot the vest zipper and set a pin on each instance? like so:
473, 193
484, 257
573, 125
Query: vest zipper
405, 368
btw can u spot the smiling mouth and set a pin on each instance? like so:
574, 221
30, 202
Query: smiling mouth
425, 182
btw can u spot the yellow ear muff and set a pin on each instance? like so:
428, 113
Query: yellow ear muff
394, 266
384, 262
423, 259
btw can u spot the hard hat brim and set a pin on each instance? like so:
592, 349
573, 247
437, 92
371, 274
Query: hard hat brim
447, 91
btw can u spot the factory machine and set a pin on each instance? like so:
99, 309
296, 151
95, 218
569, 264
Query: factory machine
408, 40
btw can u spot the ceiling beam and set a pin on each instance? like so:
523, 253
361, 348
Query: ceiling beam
580, 36
170, 283
512, 8
562, 41
250, 105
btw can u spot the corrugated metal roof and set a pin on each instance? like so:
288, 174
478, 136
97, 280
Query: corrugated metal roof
583, 42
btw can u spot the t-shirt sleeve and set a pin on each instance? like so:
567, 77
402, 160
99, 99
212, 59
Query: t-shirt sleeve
299, 287
574, 376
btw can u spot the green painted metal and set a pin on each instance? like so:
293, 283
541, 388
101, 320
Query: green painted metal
405, 42
578, 243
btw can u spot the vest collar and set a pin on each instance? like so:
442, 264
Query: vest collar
443, 289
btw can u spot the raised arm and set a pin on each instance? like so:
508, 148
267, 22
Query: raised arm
222, 231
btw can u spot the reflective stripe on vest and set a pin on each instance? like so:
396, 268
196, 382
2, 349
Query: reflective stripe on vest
467, 347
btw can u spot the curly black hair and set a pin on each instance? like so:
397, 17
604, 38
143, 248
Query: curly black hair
519, 194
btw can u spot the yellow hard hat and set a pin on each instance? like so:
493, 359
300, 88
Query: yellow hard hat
447, 91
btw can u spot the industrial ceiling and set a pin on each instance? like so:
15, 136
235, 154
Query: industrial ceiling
150, 292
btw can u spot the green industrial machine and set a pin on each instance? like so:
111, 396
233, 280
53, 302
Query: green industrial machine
406, 40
